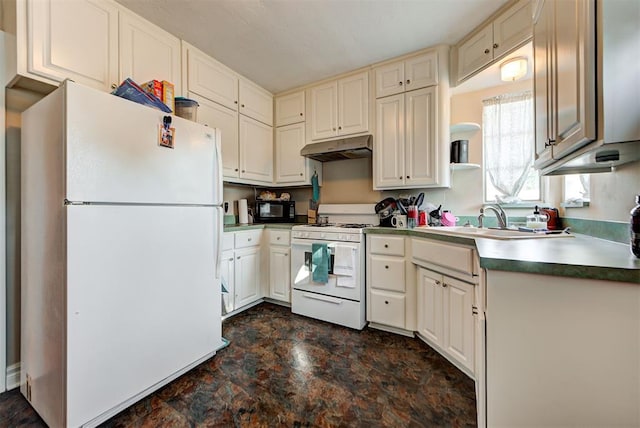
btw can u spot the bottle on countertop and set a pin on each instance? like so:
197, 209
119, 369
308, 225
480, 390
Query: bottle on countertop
537, 220
634, 228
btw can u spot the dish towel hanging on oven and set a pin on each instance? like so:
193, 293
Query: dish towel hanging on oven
320, 263
344, 265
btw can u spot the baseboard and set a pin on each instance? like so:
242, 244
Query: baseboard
13, 376
390, 329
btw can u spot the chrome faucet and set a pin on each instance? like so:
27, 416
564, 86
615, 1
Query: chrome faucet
503, 220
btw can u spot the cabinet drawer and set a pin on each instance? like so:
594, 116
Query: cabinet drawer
227, 241
387, 273
447, 255
387, 308
249, 238
280, 237
389, 245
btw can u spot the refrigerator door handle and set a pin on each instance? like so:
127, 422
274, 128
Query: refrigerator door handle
220, 233
218, 166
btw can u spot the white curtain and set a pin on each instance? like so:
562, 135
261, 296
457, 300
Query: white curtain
508, 142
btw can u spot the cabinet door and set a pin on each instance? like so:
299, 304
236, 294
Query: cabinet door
255, 102
76, 40
475, 53
279, 273
574, 68
512, 28
324, 117
217, 116
543, 91
211, 79
421, 71
227, 273
290, 109
390, 79
290, 166
387, 308
430, 306
389, 142
247, 270
421, 145
256, 150
353, 104
458, 321
148, 52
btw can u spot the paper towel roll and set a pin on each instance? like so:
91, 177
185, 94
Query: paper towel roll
243, 212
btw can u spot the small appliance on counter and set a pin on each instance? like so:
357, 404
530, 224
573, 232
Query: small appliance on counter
553, 222
275, 211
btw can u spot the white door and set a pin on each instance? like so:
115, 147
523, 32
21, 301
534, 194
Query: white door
217, 116
324, 117
148, 52
512, 28
389, 142
112, 153
247, 270
458, 324
227, 274
280, 273
353, 104
475, 53
421, 71
430, 306
290, 109
255, 102
256, 150
290, 166
211, 79
143, 300
76, 40
421, 144
390, 79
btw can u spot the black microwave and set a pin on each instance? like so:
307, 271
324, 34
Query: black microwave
275, 211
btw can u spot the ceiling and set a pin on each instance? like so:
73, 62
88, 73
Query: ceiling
282, 44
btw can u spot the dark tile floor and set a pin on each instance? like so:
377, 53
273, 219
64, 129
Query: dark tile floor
290, 371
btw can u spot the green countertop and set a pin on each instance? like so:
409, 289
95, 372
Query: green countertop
579, 257
239, 227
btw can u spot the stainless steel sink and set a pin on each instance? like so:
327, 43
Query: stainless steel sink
475, 232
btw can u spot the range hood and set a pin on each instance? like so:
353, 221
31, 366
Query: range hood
596, 157
345, 148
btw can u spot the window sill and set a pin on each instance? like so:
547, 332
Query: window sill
522, 205
574, 204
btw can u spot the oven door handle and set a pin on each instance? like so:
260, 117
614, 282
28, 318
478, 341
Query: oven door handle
322, 298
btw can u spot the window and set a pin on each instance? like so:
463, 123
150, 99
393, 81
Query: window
507, 123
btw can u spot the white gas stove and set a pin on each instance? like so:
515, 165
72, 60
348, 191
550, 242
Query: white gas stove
341, 299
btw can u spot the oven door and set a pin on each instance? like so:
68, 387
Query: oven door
301, 274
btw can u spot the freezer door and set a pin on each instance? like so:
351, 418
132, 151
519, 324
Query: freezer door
143, 300
113, 153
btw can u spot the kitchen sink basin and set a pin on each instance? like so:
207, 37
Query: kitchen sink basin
476, 232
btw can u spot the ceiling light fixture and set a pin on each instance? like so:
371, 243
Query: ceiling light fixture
513, 69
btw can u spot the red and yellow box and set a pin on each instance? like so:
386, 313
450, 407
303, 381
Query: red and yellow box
163, 90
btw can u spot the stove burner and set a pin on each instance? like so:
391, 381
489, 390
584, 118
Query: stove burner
321, 224
355, 225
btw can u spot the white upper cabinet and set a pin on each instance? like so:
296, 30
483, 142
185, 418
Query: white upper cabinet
291, 168
340, 107
256, 150
76, 40
290, 109
217, 116
503, 34
148, 52
255, 102
406, 147
414, 73
209, 78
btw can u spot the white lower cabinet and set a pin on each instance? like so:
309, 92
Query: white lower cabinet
280, 265
240, 269
446, 316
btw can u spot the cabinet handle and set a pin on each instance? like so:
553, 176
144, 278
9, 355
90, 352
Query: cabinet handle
437, 282
277, 238
238, 257
444, 285
236, 170
386, 302
249, 239
339, 127
386, 267
301, 174
386, 245
400, 177
286, 254
301, 114
235, 102
400, 83
113, 86
495, 46
334, 129
408, 81
243, 170
549, 142
408, 176
231, 259
486, 51
242, 105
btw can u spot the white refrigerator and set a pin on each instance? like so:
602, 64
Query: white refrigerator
121, 243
